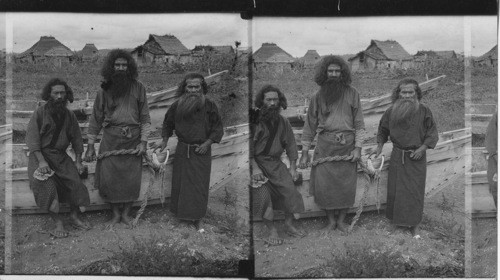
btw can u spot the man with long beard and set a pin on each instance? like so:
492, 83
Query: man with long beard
273, 134
412, 130
121, 111
53, 175
335, 114
197, 124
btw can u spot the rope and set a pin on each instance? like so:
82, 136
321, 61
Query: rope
156, 168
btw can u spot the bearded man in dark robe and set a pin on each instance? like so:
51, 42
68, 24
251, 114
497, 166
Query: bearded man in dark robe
412, 130
197, 124
491, 143
272, 135
121, 111
336, 116
53, 175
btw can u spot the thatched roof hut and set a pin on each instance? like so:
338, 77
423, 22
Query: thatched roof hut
310, 59
490, 58
381, 55
89, 52
46, 47
166, 48
269, 55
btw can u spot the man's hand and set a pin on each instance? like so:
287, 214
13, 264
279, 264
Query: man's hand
141, 147
43, 167
203, 148
90, 153
79, 167
258, 177
418, 153
294, 173
304, 160
356, 154
162, 145
377, 151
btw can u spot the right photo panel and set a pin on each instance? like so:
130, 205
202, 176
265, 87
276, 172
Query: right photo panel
360, 144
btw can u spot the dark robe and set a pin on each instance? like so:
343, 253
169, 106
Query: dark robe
65, 185
406, 180
333, 184
282, 190
191, 171
491, 143
118, 177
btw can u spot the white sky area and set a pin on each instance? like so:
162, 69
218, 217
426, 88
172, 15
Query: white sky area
108, 31
294, 35
352, 35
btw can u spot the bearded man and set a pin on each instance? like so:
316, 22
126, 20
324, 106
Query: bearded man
412, 129
53, 175
335, 114
491, 142
121, 111
273, 134
197, 124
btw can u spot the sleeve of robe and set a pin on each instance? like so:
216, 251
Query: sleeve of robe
168, 126
144, 117
97, 118
289, 142
76, 135
310, 125
431, 133
383, 128
33, 138
216, 130
491, 140
359, 122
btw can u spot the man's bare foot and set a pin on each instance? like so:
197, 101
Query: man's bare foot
414, 231
294, 232
330, 227
127, 220
59, 231
111, 223
273, 239
79, 224
342, 227
197, 224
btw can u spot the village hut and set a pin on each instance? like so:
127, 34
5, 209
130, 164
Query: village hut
162, 49
47, 48
488, 59
89, 53
382, 55
310, 59
270, 56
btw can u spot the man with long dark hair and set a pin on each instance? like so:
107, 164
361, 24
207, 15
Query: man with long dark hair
272, 135
197, 124
121, 111
412, 129
335, 114
53, 175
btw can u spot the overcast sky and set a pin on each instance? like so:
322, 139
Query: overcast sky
126, 31
352, 35
294, 35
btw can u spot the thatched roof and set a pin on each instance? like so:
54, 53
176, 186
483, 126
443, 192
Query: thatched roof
45, 44
311, 57
89, 50
268, 50
59, 51
491, 54
446, 54
224, 49
169, 44
390, 50
280, 58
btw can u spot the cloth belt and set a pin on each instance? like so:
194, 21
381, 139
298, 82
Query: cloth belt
188, 146
403, 151
125, 130
339, 137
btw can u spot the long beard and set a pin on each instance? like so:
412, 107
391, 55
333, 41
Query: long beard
57, 108
189, 104
403, 110
120, 84
269, 113
332, 90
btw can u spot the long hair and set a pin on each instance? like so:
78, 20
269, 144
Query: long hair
182, 85
407, 81
259, 98
321, 76
47, 89
108, 68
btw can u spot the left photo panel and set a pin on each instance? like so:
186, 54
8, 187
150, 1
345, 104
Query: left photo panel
125, 144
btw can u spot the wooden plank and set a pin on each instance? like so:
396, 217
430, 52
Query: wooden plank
482, 200
482, 109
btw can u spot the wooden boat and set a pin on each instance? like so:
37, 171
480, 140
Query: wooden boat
480, 116
229, 157
483, 205
5, 139
159, 102
445, 166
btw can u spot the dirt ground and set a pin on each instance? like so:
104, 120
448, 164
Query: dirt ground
225, 237
441, 242
484, 247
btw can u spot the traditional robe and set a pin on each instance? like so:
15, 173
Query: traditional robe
191, 171
406, 181
270, 140
491, 143
123, 121
65, 185
340, 128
